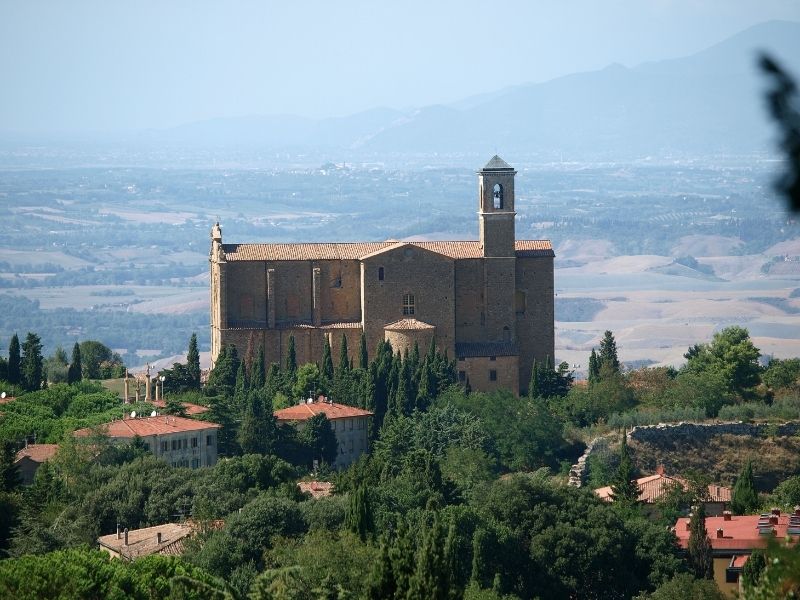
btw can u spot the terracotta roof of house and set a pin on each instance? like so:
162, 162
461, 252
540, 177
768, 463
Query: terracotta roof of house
37, 452
408, 324
148, 426
497, 164
332, 410
737, 562
144, 542
653, 487
359, 250
191, 409
741, 532
478, 349
317, 489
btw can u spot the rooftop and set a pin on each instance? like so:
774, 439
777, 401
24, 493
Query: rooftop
358, 250
149, 426
476, 349
497, 164
37, 452
742, 532
408, 324
652, 487
332, 410
144, 542
317, 489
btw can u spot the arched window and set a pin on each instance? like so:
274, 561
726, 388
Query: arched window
408, 304
380, 273
497, 194
520, 302
506, 334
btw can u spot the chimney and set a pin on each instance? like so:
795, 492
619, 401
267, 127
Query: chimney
776, 512
726, 515
773, 519
126, 536
797, 511
118, 531
688, 521
158, 537
720, 533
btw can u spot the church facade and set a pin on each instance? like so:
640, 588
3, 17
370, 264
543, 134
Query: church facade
488, 303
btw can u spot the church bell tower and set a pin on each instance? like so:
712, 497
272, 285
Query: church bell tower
496, 208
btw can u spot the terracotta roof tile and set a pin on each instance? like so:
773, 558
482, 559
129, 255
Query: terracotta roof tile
740, 533
302, 412
479, 349
359, 250
144, 542
147, 426
408, 324
317, 489
38, 452
653, 487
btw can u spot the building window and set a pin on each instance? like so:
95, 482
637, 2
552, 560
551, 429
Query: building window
462, 376
147, 446
731, 576
175, 444
209, 440
492, 375
351, 424
408, 304
194, 442
461, 359
506, 334
520, 302
164, 446
497, 195
492, 358
381, 273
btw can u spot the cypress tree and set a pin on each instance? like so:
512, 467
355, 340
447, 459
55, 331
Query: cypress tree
240, 388
193, 362
452, 564
32, 363
431, 351
478, 566
594, 368
533, 385
291, 358
14, 373
700, 558
430, 580
363, 360
426, 387
381, 585
744, 498
74, 372
327, 362
414, 357
258, 377
274, 381
401, 555
624, 488
344, 360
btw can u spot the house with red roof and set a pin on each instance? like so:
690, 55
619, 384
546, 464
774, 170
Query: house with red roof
734, 537
179, 441
31, 457
350, 424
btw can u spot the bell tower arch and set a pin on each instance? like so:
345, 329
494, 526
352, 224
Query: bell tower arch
496, 208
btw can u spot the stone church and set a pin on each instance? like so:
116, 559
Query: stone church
488, 303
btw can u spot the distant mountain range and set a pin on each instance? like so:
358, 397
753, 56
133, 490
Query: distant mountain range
707, 103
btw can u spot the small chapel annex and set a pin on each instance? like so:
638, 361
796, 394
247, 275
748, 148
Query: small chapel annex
488, 303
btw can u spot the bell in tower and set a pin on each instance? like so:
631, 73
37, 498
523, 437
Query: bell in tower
496, 208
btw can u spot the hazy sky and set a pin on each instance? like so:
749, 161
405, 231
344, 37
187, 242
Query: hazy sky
122, 65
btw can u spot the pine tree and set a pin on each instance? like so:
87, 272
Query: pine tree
700, 558
359, 517
327, 362
624, 488
291, 358
193, 362
594, 368
344, 360
14, 373
363, 360
31, 365
74, 372
744, 498
608, 353
258, 377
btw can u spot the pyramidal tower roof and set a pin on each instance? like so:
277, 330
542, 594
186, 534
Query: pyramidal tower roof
497, 164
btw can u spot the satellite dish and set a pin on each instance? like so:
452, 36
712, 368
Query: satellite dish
3, 395
133, 414
153, 414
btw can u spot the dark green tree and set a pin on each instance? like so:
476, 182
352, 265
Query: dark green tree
594, 368
258, 431
193, 362
430, 580
9, 473
14, 372
363, 360
608, 353
291, 358
699, 550
744, 498
74, 373
223, 376
359, 517
31, 363
533, 385
752, 570
327, 362
344, 360
381, 585
732, 355
320, 439
258, 376
624, 488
